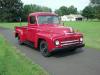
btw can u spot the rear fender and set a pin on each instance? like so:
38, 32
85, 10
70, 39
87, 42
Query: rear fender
20, 33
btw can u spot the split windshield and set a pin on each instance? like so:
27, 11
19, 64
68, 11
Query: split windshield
48, 19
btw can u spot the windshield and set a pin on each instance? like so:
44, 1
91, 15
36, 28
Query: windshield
48, 19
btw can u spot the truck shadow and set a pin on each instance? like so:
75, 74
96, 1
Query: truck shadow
66, 52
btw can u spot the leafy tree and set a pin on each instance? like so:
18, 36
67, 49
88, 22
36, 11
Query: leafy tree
72, 10
97, 12
59, 12
62, 11
95, 1
33, 8
66, 11
10, 9
96, 5
46, 9
88, 12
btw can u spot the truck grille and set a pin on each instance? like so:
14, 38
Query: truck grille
71, 42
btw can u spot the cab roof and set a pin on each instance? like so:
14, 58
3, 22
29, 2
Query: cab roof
42, 13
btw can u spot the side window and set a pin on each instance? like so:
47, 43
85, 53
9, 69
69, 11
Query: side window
32, 20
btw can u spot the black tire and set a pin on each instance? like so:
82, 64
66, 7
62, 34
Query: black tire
44, 49
19, 41
73, 50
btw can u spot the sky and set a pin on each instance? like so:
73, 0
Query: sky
55, 4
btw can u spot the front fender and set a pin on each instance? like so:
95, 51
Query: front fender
48, 39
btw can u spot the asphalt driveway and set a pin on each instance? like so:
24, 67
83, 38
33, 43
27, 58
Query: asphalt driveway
84, 61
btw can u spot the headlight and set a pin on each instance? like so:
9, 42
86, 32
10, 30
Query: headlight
57, 42
81, 39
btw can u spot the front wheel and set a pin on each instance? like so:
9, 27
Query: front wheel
73, 50
44, 49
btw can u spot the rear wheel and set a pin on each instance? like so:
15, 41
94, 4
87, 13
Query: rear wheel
19, 41
44, 49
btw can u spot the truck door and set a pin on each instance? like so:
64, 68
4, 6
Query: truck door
31, 30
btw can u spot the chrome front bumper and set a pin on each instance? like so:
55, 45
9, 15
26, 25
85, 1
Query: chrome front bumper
74, 46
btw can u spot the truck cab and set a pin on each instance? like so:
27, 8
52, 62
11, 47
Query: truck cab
45, 31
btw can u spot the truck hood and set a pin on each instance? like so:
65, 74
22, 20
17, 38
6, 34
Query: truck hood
57, 30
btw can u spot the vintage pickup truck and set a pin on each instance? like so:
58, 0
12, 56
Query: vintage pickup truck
45, 32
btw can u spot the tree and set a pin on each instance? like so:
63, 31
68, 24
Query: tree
95, 1
10, 9
62, 11
97, 12
88, 12
66, 11
96, 5
46, 9
59, 12
72, 10
33, 8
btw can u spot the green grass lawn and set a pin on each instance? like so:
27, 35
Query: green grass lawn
91, 31
11, 25
13, 63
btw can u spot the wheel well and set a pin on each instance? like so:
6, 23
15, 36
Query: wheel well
39, 40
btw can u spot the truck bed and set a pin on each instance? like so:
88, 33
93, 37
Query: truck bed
21, 29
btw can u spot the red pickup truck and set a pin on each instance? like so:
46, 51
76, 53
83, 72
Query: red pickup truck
46, 33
